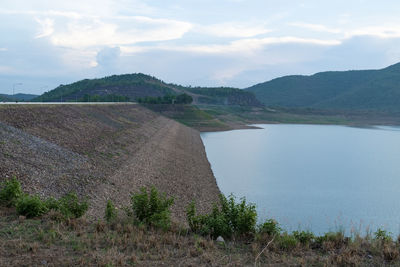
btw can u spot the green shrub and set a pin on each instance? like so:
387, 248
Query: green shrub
383, 235
227, 219
10, 192
111, 212
52, 203
336, 238
304, 237
31, 206
287, 242
70, 206
269, 227
152, 208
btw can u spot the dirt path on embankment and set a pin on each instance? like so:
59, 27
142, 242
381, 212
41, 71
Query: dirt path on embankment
104, 152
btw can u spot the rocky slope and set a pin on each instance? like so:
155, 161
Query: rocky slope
104, 152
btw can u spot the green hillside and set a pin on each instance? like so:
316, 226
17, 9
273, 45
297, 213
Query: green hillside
129, 85
135, 86
341, 90
17, 97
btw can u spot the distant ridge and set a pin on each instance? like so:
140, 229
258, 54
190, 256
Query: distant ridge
140, 85
17, 97
335, 90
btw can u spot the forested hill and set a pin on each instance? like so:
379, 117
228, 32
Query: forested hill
135, 86
340, 90
17, 97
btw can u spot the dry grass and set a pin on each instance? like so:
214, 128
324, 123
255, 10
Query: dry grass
51, 242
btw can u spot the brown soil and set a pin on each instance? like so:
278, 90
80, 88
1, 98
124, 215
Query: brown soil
104, 152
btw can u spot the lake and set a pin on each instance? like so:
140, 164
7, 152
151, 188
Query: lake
313, 177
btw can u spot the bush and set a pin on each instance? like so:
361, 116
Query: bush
336, 239
111, 212
304, 237
152, 208
269, 227
10, 192
227, 219
52, 203
31, 206
383, 235
287, 242
70, 206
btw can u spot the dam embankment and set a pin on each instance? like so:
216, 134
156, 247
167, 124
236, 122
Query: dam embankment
104, 152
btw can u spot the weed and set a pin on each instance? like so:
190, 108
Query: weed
10, 192
270, 227
304, 237
287, 242
31, 206
111, 212
226, 219
70, 206
383, 235
152, 208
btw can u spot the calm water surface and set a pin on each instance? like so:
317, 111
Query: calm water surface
312, 177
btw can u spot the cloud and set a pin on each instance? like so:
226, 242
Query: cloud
242, 46
47, 27
96, 32
377, 31
108, 56
232, 29
3, 49
315, 27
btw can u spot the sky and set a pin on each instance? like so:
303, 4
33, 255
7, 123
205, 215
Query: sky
235, 43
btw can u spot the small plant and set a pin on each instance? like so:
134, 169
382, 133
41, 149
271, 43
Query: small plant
152, 208
111, 212
10, 192
70, 206
287, 242
383, 235
269, 227
52, 203
31, 206
335, 239
304, 237
227, 219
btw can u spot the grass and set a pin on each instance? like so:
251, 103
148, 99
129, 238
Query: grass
136, 237
122, 243
189, 115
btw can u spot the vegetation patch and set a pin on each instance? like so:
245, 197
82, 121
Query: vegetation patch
152, 208
123, 241
11, 195
227, 219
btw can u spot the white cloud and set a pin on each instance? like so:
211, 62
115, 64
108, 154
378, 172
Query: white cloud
46, 27
3, 49
315, 27
231, 29
377, 31
87, 33
243, 45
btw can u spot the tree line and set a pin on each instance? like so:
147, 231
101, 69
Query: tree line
167, 99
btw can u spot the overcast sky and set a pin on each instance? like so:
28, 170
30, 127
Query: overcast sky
237, 43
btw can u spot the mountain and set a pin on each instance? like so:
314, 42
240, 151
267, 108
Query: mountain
17, 97
335, 90
139, 85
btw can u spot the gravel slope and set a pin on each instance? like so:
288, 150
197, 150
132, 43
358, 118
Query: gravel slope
104, 152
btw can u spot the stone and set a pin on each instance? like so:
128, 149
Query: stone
220, 239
